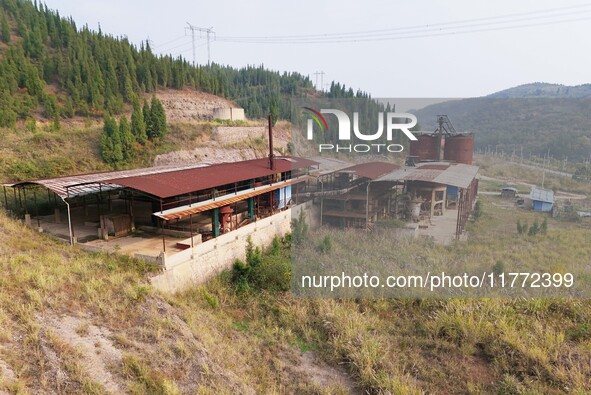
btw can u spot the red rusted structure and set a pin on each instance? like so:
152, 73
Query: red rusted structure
459, 148
425, 147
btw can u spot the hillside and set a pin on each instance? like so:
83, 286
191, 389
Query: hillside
542, 89
78, 322
537, 117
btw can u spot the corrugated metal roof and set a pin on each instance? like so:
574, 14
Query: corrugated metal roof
457, 174
329, 165
185, 181
371, 170
185, 211
542, 195
83, 184
168, 181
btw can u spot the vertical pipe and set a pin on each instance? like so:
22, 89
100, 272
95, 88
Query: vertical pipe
251, 208
216, 223
162, 228
191, 228
163, 235
70, 227
271, 155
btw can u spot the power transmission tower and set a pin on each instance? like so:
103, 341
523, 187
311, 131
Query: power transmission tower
208, 31
321, 74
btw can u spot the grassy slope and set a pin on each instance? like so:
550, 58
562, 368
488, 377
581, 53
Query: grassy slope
26, 154
166, 345
213, 340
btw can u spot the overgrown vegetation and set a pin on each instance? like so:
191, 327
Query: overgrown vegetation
94, 72
229, 338
121, 143
270, 271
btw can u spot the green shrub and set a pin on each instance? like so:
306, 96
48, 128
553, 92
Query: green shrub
534, 229
270, 271
325, 244
299, 229
477, 210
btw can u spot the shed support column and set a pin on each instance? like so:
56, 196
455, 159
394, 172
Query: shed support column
433, 197
5, 199
36, 210
251, 208
216, 223
70, 226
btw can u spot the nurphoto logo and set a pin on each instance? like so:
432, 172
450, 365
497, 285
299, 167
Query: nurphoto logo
394, 121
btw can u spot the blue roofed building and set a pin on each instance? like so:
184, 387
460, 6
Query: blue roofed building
542, 199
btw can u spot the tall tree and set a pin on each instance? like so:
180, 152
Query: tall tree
127, 139
111, 149
138, 126
5, 28
147, 119
158, 119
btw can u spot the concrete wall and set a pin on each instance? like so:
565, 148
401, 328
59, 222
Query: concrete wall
197, 265
235, 134
233, 114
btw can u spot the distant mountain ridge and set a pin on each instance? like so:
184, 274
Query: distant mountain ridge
539, 117
544, 89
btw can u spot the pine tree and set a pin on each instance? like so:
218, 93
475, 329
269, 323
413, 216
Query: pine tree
274, 110
5, 29
111, 149
158, 119
147, 119
138, 126
127, 139
56, 125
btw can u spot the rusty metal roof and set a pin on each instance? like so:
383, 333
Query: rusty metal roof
183, 182
84, 184
457, 174
185, 211
371, 170
168, 181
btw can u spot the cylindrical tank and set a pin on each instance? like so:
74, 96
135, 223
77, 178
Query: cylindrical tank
459, 148
425, 147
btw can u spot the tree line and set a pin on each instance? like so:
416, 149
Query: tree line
120, 142
92, 73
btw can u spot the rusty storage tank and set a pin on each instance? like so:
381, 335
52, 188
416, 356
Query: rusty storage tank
425, 147
459, 148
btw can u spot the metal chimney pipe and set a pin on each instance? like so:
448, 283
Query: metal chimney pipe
440, 141
271, 154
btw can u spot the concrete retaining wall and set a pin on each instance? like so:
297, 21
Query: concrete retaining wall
235, 134
233, 114
199, 264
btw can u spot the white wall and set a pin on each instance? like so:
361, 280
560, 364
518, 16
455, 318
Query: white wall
197, 265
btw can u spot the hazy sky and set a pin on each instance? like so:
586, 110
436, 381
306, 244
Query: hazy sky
451, 65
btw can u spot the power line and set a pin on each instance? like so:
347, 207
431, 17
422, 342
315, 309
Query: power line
175, 47
169, 42
431, 25
418, 31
